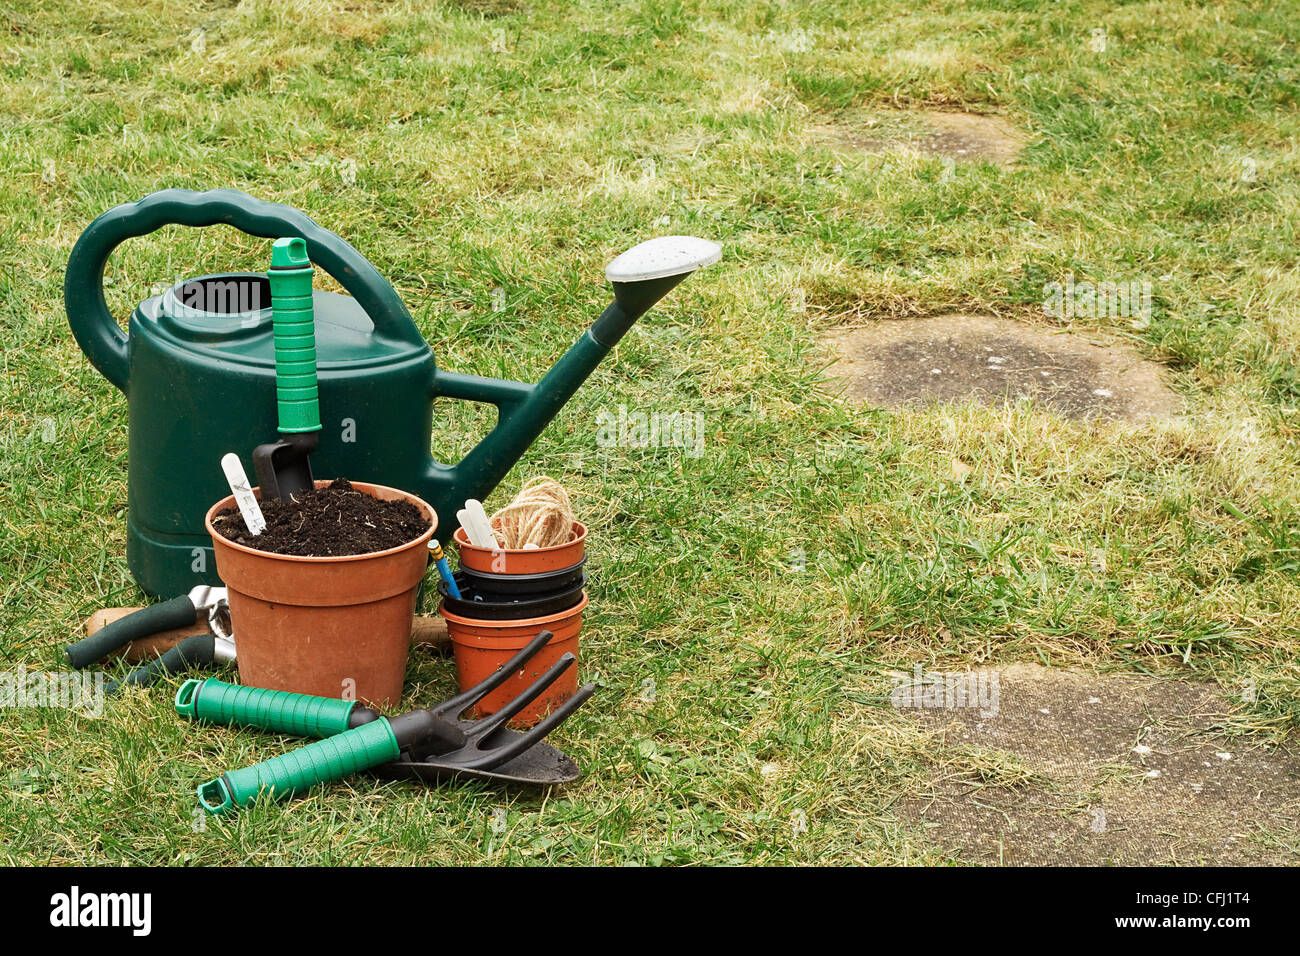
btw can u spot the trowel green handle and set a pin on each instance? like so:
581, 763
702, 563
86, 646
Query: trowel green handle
281, 777
295, 336
278, 711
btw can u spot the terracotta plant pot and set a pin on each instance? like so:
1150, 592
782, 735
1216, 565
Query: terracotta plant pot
334, 626
521, 560
483, 646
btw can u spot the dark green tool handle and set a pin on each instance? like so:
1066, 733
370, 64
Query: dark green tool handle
279, 711
294, 322
178, 612
320, 762
105, 344
196, 651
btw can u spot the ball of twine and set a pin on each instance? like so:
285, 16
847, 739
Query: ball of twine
540, 516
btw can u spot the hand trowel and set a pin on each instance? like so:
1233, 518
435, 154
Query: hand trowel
283, 467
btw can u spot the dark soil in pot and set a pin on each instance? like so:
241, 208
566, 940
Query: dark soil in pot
331, 521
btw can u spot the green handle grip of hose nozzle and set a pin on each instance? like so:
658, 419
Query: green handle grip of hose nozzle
278, 711
281, 777
294, 322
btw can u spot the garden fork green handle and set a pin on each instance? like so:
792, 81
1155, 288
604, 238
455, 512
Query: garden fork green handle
356, 738
214, 701
353, 738
288, 774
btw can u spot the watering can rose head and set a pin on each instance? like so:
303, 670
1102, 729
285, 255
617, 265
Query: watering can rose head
198, 368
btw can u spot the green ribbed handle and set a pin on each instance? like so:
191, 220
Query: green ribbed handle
330, 759
295, 336
276, 710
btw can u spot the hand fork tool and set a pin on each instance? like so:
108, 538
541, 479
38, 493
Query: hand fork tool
426, 744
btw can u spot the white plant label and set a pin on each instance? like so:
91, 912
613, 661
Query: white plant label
238, 482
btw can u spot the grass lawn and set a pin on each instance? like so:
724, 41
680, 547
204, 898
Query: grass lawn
749, 603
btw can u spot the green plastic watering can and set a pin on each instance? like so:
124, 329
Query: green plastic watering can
197, 366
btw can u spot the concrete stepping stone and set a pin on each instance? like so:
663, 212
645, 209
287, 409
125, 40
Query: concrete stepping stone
1125, 770
956, 358
962, 137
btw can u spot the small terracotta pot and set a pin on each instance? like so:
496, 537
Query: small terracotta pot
521, 560
483, 646
332, 626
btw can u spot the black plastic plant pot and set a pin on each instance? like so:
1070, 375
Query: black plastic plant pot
505, 587
512, 609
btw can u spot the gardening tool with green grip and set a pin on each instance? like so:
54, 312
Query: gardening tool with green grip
281, 777
217, 702
353, 738
284, 467
356, 738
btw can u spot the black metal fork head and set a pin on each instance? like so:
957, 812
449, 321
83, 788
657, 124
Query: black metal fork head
488, 742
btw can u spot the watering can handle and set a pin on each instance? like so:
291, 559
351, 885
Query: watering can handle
105, 344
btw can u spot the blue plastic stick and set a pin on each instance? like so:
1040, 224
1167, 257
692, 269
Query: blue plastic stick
444, 571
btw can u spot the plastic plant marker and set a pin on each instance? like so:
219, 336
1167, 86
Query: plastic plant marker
244, 498
474, 531
483, 528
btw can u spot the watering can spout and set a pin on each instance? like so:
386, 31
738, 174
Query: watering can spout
645, 274
640, 277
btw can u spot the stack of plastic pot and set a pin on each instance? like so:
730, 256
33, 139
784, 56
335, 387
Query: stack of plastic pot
507, 597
